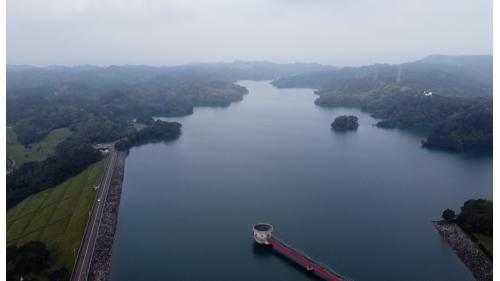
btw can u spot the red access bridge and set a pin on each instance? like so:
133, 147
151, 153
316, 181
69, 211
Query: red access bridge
304, 260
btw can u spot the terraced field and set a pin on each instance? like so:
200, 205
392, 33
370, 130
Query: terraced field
56, 216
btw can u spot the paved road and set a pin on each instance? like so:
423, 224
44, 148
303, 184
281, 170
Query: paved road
85, 253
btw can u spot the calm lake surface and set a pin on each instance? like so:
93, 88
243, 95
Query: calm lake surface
361, 202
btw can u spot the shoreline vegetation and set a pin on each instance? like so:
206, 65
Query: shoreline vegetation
470, 235
99, 104
345, 123
451, 123
89, 118
448, 97
148, 131
474, 258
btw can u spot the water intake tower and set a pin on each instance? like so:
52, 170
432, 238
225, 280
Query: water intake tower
262, 233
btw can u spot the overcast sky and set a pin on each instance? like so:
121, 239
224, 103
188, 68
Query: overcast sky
169, 32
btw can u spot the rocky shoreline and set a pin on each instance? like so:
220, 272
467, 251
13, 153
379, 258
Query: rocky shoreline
101, 259
477, 262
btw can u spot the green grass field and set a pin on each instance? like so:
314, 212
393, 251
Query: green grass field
487, 241
19, 154
56, 216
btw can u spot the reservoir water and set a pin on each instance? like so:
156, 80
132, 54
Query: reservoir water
361, 202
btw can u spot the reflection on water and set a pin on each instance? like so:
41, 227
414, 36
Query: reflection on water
360, 202
262, 251
267, 252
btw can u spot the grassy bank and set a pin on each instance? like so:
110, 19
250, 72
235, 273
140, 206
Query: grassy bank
56, 216
20, 154
486, 241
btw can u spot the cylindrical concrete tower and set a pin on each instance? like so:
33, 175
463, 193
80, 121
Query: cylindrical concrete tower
262, 232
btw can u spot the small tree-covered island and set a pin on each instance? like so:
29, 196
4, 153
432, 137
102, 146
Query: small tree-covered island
345, 123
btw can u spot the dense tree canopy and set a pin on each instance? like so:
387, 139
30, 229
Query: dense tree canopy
61, 274
449, 97
31, 262
106, 116
345, 123
71, 158
467, 76
25, 262
158, 131
452, 123
97, 110
470, 129
448, 215
477, 216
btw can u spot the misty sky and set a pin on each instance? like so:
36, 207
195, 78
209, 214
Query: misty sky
168, 32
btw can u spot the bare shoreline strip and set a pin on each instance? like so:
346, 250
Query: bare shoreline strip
477, 262
101, 260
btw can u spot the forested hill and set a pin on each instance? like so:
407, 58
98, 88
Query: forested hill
98, 104
443, 75
84, 98
252, 70
449, 97
88, 80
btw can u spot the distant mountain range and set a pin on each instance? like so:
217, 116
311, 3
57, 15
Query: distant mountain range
444, 75
450, 97
23, 79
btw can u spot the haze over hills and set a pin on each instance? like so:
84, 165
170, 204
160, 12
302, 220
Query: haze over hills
133, 126
25, 79
431, 94
446, 75
448, 97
